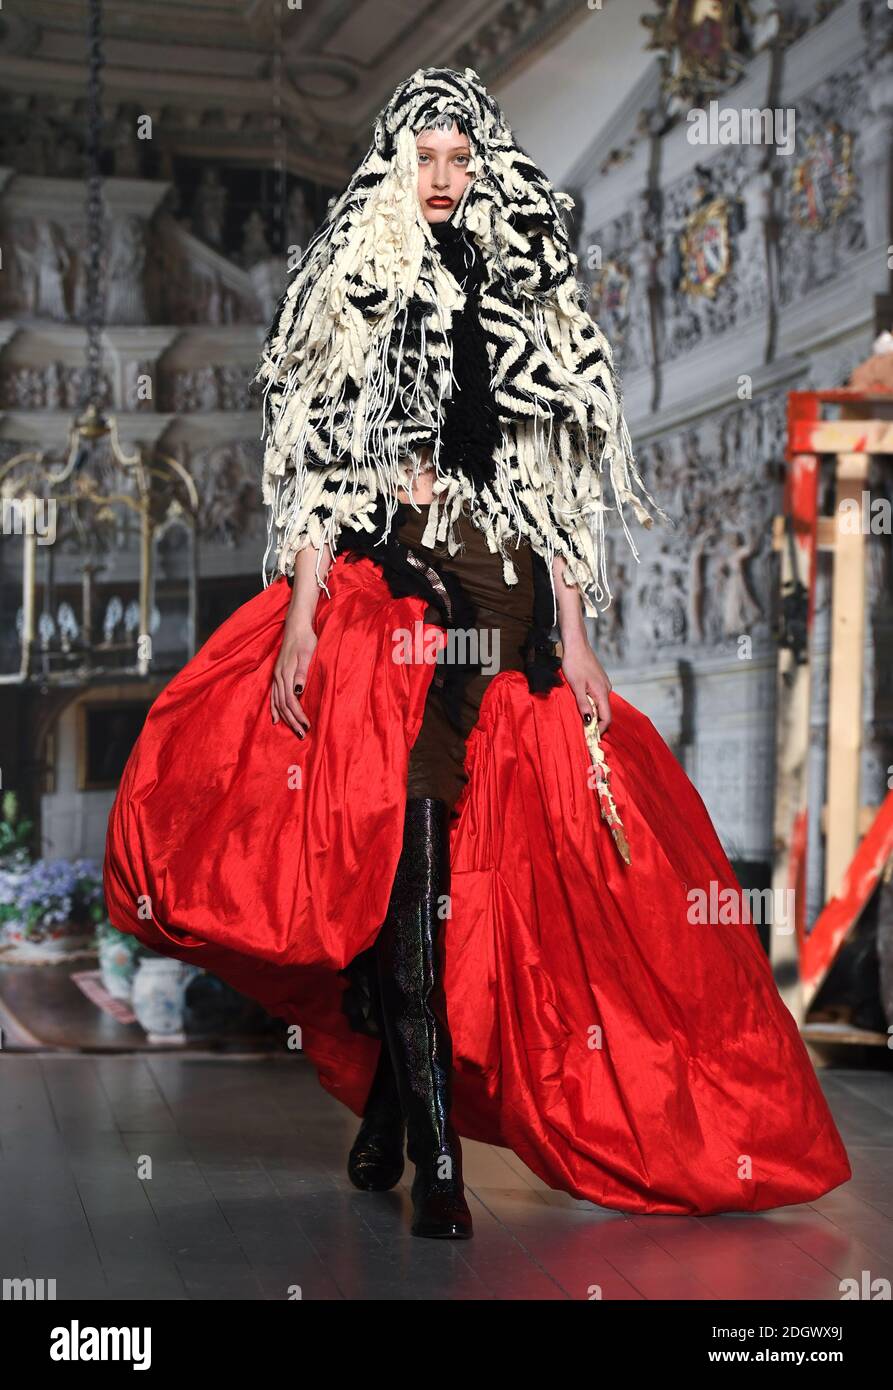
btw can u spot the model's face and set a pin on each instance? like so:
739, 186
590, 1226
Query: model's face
444, 157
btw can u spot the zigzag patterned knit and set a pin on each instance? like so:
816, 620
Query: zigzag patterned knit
358, 361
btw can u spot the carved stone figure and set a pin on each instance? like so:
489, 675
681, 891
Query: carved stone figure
299, 220
209, 208
43, 271
125, 302
740, 607
255, 246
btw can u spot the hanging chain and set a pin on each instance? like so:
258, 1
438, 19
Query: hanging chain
94, 313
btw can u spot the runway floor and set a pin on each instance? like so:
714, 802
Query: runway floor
248, 1199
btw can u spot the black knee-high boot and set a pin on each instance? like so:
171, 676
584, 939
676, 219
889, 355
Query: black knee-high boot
414, 1008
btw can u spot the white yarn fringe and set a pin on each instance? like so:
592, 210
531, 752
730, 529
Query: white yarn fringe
548, 467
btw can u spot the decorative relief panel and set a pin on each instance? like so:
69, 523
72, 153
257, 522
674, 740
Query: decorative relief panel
207, 388
48, 387
823, 221
708, 581
713, 271
46, 263
618, 262
190, 283
226, 476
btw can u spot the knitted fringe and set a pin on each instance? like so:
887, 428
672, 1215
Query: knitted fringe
359, 360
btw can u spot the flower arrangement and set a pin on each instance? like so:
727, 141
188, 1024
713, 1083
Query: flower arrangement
52, 899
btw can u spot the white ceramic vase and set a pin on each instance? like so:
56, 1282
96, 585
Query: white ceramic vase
157, 998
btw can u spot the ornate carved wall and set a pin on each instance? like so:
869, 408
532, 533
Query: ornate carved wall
727, 274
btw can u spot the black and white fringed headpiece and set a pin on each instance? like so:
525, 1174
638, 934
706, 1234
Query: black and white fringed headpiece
358, 360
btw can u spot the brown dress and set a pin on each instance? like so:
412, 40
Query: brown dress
504, 616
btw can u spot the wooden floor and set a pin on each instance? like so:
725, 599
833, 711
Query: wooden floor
248, 1199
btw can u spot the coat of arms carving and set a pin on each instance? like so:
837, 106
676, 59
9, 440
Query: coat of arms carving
822, 181
705, 44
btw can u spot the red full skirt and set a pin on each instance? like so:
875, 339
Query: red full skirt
627, 1054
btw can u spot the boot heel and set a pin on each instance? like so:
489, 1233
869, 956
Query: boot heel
375, 1162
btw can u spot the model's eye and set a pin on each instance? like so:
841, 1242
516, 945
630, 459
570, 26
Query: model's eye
462, 159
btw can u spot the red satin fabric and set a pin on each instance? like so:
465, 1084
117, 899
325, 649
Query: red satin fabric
626, 1055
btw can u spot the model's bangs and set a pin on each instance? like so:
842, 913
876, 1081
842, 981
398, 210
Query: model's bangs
429, 120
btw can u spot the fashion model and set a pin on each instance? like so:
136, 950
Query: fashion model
383, 803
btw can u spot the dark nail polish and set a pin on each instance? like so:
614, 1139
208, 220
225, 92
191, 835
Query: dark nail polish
587, 718
298, 689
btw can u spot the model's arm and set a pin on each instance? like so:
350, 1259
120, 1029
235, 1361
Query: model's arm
298, 641
582, 669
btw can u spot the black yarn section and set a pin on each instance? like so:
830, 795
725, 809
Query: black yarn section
470, 431
541, 664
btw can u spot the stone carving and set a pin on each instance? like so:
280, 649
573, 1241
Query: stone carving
740, 608
707, 582
621, 292
255, 246
703, 248
644, 259
196, 389
125, 302
813, 252
689, 320
185, 283
127, 257
226, 476
209, 208
32, 144
48, 271
42, 262
207, 388
52, 386
705, 45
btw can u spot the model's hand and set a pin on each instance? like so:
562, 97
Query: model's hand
585, 674
290, 678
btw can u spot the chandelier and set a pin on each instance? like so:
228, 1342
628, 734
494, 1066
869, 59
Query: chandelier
109, 562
